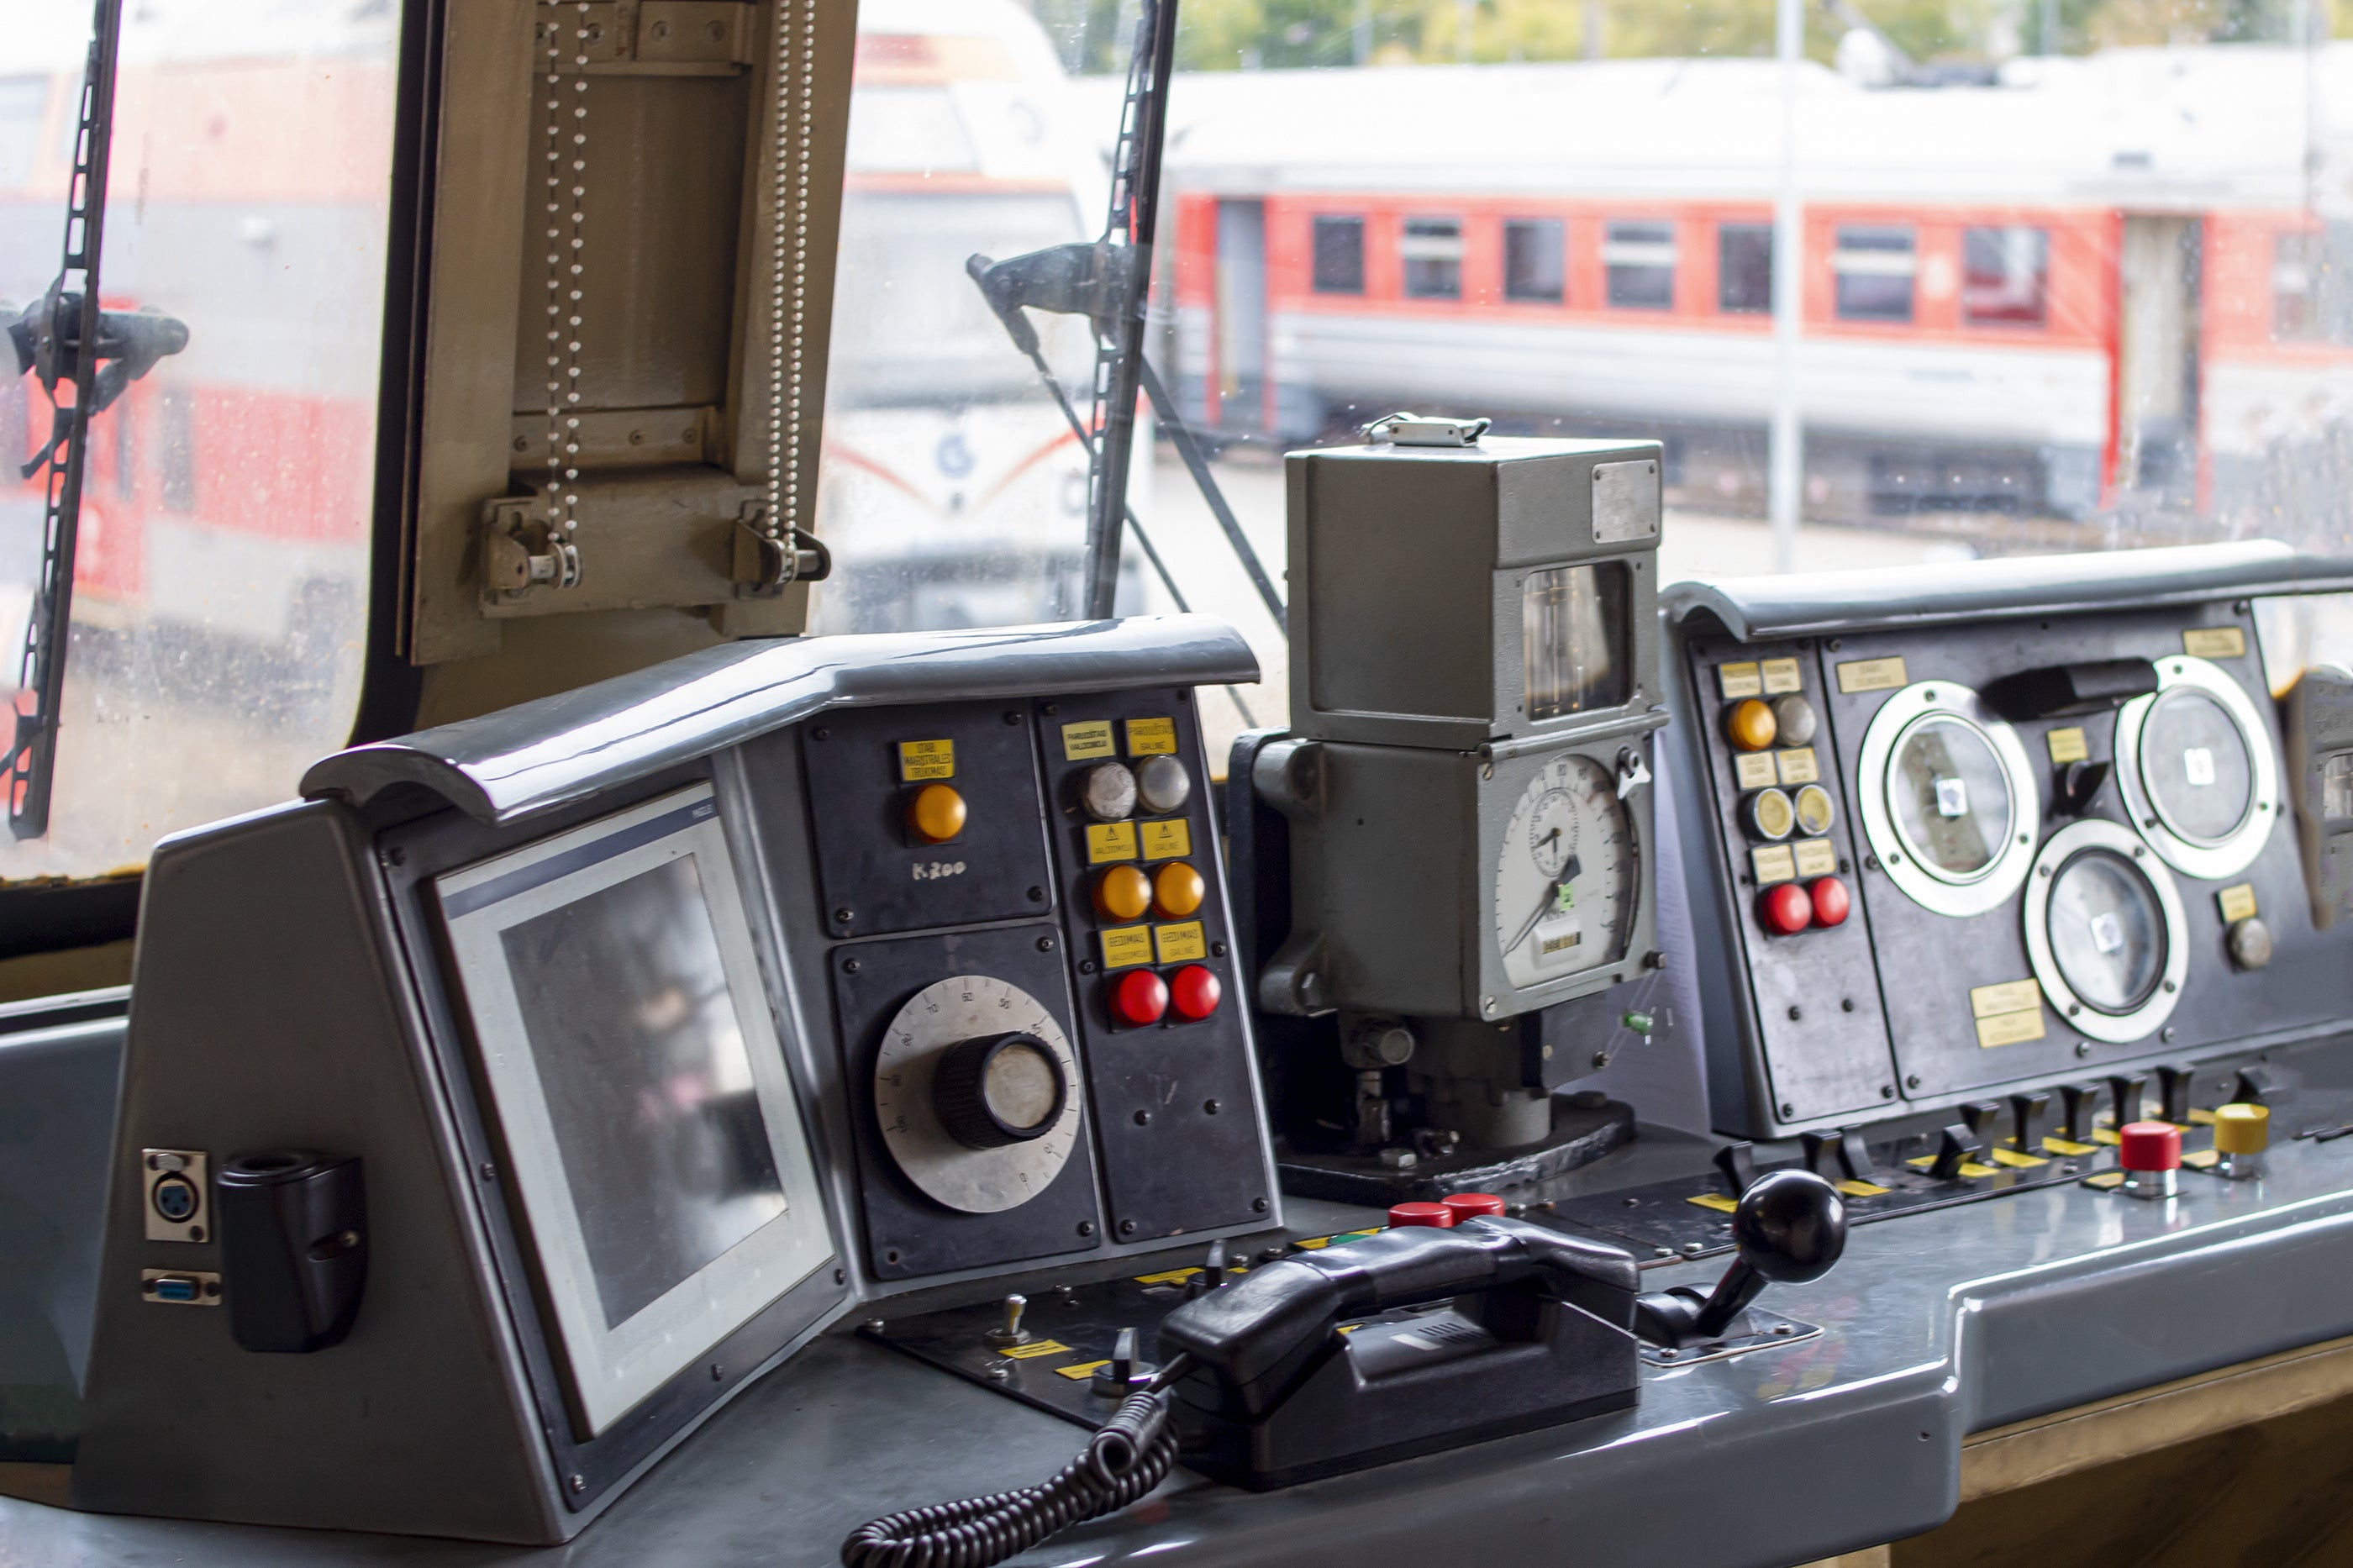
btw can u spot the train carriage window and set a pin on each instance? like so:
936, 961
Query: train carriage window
1536, 261
2005, 277
1744, 269
1339, 255
22, 101
1874, 266
1639, 263
2312, 285
1433, 252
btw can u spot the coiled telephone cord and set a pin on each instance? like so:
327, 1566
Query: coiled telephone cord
1128, 1456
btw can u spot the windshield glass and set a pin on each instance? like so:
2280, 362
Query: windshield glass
220, 587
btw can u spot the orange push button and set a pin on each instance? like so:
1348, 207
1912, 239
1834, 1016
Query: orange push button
1177, 890
1123, 893
1751, 725
936, 812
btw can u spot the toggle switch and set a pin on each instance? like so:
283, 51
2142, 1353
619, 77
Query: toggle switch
2026, 1114
2081, 1109
1011, 1333
1751, 725
2150, 1154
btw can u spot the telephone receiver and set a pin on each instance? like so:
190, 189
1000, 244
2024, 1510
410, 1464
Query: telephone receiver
1528, 1328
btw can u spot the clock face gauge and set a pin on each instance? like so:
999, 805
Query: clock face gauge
1566, 875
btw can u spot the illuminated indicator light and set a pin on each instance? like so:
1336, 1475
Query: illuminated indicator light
1436, 1215
1770, 814
1139, 999
1814, 809
1471, 1206
1751, 725
1194, 992
1784, 909
1123, 893
937, 813
1831, 901
1177, 890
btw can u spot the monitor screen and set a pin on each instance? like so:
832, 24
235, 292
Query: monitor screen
634, 1072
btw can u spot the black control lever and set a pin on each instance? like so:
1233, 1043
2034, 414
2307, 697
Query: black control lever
2068, 690
1790, 1227
2026, 1114
2126, 1089
2081, 1102
1956, 1146
1737, 1162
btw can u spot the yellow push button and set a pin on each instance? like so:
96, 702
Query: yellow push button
937, 813
1177, 890
2243, 1129
1751, 725
1123, 893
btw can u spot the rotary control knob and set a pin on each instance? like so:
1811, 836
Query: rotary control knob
1108, 791
998, 1090
1163, 784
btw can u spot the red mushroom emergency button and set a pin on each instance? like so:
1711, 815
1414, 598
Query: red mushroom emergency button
2150, 1154
1831, 901
1194, 992
1471, 1206
1436, 1215
1138, 998
1784, 909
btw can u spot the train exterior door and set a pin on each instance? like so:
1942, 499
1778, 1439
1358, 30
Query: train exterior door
1239, 373
2161, 268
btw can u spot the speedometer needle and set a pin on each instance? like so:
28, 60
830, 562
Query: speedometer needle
1569, 874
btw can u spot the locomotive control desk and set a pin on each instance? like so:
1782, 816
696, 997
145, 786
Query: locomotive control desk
1938, 1326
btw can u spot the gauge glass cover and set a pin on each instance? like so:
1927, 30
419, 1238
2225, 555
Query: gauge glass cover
2195, 762
2107, 931
1949, 797
1814, 810
1566, 876
1573, 622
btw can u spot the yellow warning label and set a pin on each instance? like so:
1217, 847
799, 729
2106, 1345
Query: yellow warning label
1086, 740
1871, 675
2009, 997
2067, 745
921, 759
2072, 1151
1180, 943
2105, 1180
2016, 1160
1797, 765
1081, 1372
1753, 770
1127, 947
1970, 1168
2009, 1029
1781, 675
1032, 1350
1109, 841
1170, 1276
1773, 863
2202, 1158
1715, 1201
2202, 1118
2214, 642
1171, 840
2105, 1135
2237, 903
1738, 680
1854, 1189
1151, 737
1816, 857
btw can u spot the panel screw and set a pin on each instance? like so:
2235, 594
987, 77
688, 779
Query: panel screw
1011, 718
577, 1482
1217, 950
1846, 1004
1793, 1014
1911, 1081
1086, 966
841, 1276
1600, 1059
1037, 895
1053, 708
1258, 1206
850, 966
1045, 944
1210, 1107
1836, 644
395, 856
844, 915
1143, 1119
820, 733
1788, 1111
1127, 1227
1887, 1091
2166, 1034
2082, 1047
716, 1374
490, 1172
2170, 986
1086, 1226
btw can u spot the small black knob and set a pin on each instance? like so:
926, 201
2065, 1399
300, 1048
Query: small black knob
1790, 1227
1000, 1090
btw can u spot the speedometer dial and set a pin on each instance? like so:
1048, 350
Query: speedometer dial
1566, 875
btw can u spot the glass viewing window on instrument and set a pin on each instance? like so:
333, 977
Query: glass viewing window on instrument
1573, 626
2194, 760
2107, 931
1949, 797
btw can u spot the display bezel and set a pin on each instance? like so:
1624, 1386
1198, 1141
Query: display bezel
1993, 884
2082, 1017
2210, 860
609, 1371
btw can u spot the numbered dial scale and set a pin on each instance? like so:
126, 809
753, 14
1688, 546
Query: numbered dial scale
976, 1092
1568, 874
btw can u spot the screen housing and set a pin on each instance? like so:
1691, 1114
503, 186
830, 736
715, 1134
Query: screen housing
611, 1369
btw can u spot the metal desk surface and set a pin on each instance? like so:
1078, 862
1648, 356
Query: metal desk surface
1937, 1325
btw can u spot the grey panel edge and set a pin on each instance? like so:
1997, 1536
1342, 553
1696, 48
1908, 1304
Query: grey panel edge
1760, 609
503, 767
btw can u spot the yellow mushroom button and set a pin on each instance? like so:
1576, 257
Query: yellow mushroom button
1177, 890
2243, 1129
936, 814
1123, 893
1751, 725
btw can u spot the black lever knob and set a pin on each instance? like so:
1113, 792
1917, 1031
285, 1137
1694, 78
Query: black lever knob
2082, 1104
1000, 1090
1789, 1227
1738, 1161
1819, 1147
2173, 1094
1954, 1146
1979, 1114
2257, 1085
2126, 1091
1854, 1157
2026, 1114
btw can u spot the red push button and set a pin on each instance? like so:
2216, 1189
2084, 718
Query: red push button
1437, 1215
1138, 998
2149, 1146
1471, 1206
1194, 992
1831, 901
1784, 909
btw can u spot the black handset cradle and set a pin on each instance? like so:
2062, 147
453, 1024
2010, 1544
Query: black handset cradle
1530, 1328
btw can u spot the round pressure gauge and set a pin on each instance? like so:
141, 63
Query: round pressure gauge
1948, 799
2195, 766
976, 1094
2104, 931
1567, 874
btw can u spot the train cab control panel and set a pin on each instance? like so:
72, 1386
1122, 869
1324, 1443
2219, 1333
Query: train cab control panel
547, 1076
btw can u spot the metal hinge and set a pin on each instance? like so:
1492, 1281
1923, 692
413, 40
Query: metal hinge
520, 555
